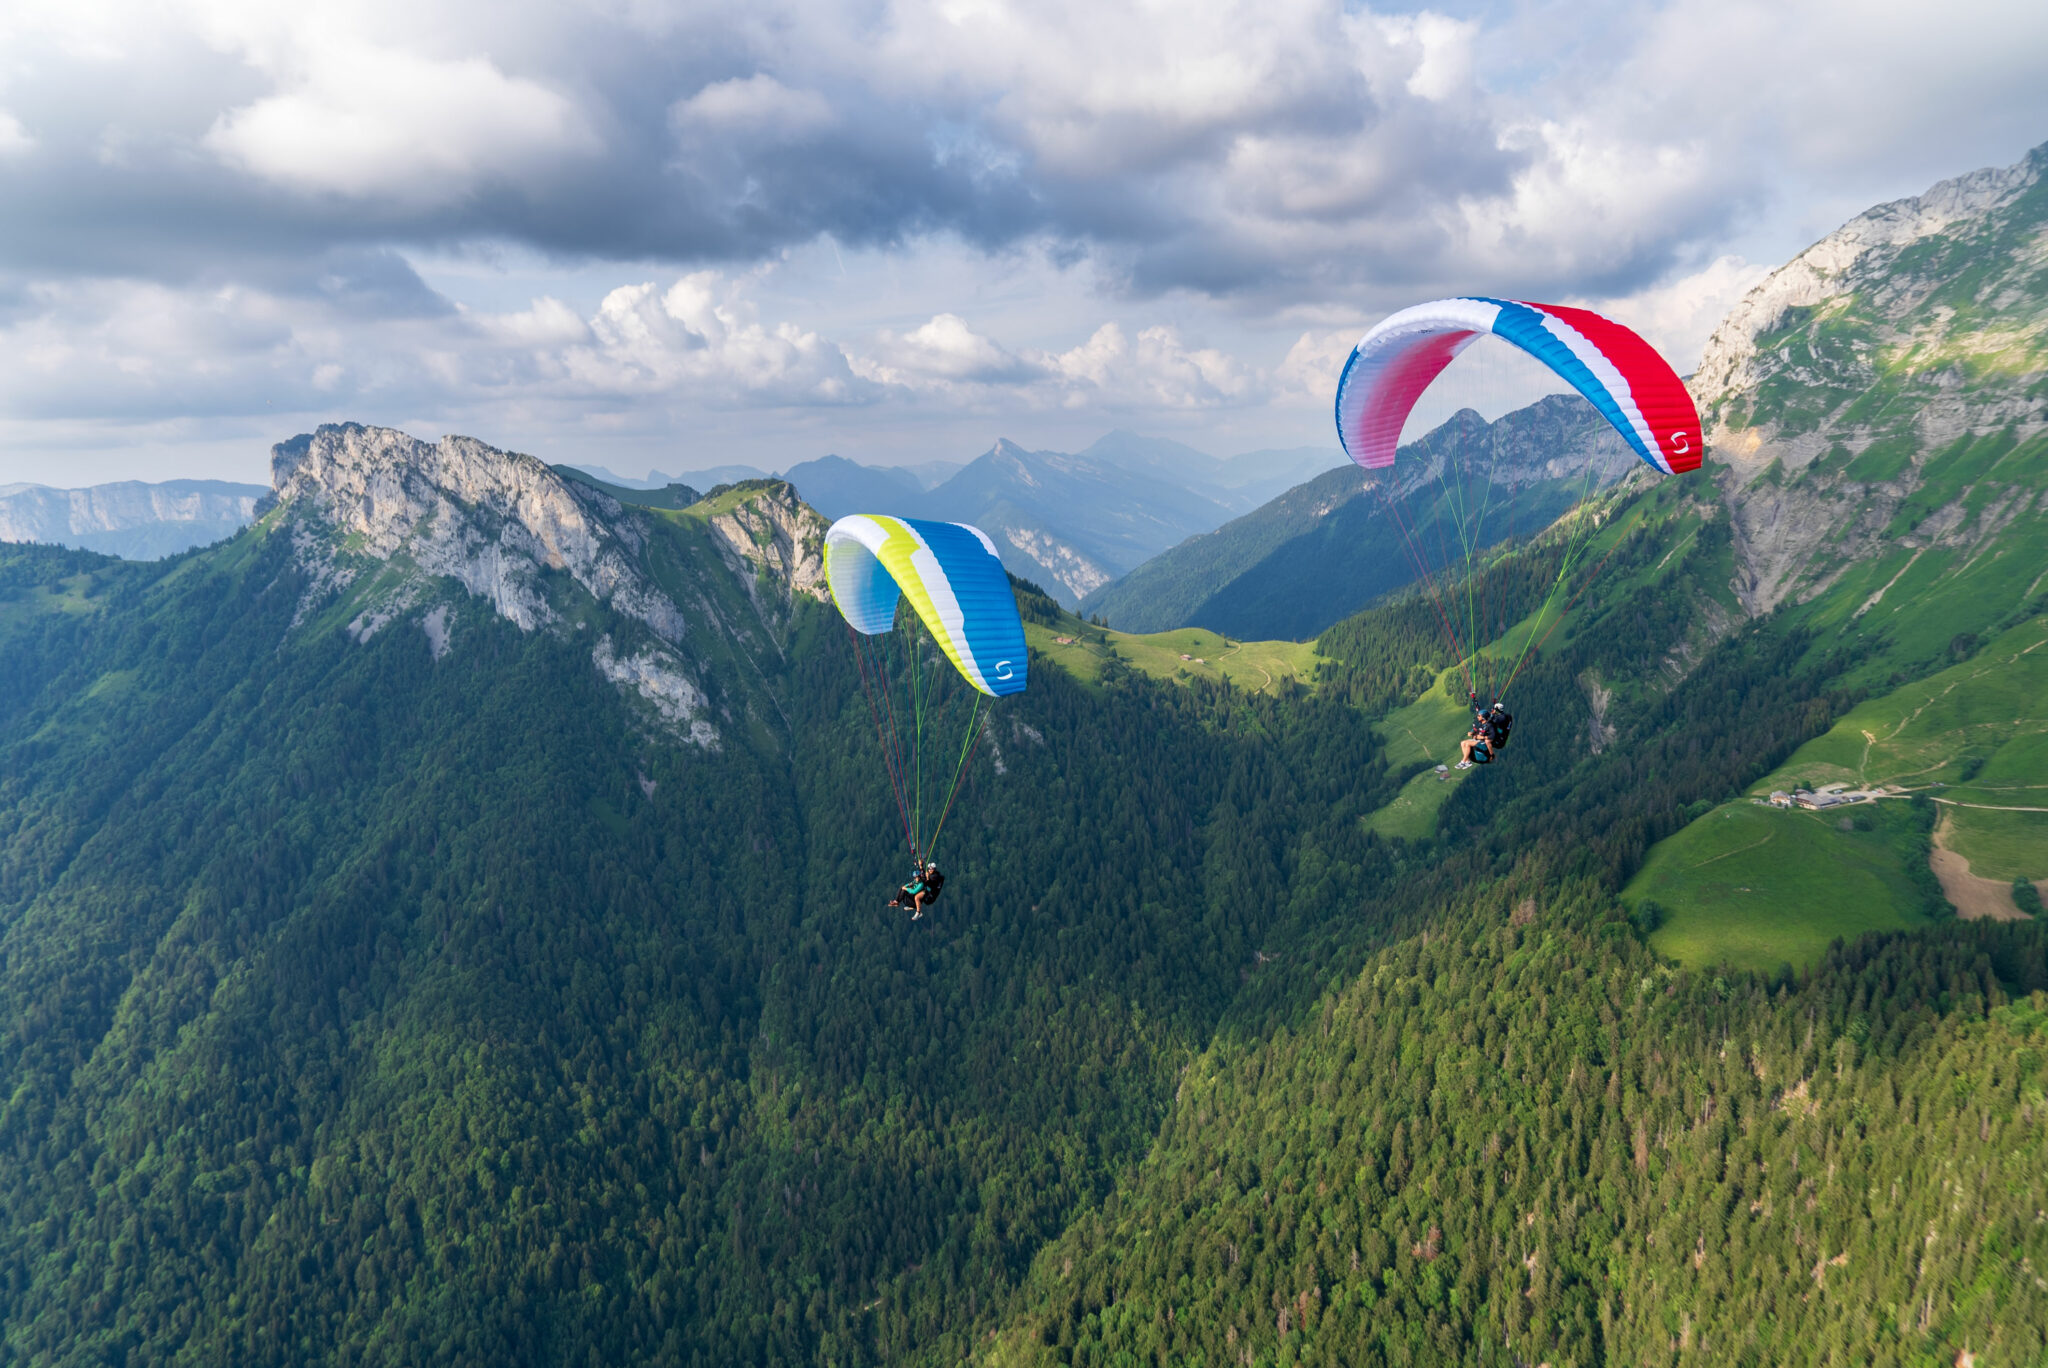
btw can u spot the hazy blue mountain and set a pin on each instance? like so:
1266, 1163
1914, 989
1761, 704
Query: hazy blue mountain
130, 518
1071, 523
654, 479
1161, 455
836, 486
1260, 475
1242, 482
932, 474
1326, 548
710, 477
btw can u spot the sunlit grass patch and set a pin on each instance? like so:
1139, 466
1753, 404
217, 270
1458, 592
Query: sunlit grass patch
1758, 887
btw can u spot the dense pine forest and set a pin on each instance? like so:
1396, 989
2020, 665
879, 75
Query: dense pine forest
444, 923
368, 1000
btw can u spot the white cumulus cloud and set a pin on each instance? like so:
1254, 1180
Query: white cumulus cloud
351, 116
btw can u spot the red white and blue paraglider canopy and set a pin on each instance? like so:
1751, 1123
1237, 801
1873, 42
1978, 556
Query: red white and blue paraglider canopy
1623, 377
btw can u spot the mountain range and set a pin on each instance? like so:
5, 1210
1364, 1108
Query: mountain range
1072, 522
443, 923
131, 519
1326, 548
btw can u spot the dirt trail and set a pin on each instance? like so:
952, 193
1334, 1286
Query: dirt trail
1260, 668
1974, 897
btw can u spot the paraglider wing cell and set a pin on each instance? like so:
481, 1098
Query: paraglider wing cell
955, 584
1621, 375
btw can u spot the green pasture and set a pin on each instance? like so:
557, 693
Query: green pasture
73, 596
1759, 887
1259, 666
1430, 727
1954, 727
2000, 845
1412, 813
1975, 734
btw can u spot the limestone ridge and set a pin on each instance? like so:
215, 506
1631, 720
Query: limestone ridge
381, 522
1834, 385
1866, 268
776, 540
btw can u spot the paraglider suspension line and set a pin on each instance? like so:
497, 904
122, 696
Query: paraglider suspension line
968, 746
1421, 562
1572, 601
884, 738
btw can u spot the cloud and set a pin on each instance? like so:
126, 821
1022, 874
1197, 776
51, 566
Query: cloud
755, 105
1052, 207
359, 121
1157, 370
14, 139
1678, 316
945, 350
1270, 155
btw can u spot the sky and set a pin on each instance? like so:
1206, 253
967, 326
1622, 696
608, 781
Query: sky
670, 236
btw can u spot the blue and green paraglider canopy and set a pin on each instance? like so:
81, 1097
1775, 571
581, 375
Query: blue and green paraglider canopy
961, 626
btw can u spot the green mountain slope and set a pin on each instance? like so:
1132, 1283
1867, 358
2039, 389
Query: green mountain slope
1507, 1144
1511, 1133
1326, 548
1758, 887
500, 976
1879, 404
1487, 1142
442, 925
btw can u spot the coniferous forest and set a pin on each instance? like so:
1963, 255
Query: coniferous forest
366, 1002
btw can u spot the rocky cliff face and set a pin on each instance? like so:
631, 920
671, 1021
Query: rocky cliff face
382, 522
131, 519
777, 540
1831, 391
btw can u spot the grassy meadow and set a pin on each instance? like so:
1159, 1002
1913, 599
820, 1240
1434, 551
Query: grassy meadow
1259, 666
1758, 887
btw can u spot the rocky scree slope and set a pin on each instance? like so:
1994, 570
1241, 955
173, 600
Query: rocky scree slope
381, 522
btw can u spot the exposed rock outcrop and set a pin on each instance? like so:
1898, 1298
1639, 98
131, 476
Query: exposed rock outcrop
1916, 324
1862, 255
388, 517
490, 519
776, 538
